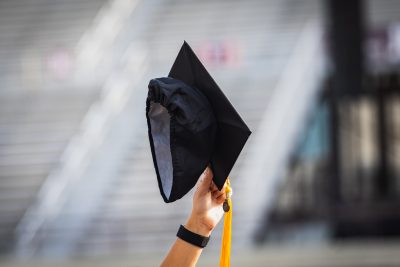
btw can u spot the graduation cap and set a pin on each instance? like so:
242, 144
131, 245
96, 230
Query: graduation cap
191, 124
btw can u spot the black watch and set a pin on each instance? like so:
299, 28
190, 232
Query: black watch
192, 238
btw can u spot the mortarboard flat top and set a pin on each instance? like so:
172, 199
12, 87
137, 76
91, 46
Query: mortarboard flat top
232, 132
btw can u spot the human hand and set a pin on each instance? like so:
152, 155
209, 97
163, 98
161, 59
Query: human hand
207, 208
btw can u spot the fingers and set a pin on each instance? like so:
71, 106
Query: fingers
213, 187
206, 185
205, 181
219, 200
217, 194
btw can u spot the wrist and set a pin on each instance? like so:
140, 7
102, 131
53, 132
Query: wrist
195, 225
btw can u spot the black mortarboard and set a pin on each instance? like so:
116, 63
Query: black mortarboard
191, 124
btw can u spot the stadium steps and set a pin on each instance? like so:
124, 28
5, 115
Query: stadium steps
34, 129
31, 32
132, 215
36, 124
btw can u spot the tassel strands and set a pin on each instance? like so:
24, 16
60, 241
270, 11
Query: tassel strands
225, 260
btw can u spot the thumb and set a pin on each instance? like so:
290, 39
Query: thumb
205, 181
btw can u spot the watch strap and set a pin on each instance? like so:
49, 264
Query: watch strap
192, 238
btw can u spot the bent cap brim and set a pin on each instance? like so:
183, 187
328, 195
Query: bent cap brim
182, 131
232, 132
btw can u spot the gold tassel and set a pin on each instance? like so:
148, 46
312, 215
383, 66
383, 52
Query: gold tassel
225, 259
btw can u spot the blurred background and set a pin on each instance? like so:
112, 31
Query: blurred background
317, 81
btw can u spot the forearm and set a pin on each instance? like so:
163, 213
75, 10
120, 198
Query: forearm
206, 213
182, 253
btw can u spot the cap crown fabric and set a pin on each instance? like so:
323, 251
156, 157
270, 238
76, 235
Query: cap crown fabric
182, 130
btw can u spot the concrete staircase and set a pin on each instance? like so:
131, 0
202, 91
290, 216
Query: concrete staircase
34, 129
36, 123
132, 216
31, 32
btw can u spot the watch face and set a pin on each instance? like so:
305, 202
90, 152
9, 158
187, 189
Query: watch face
205, 241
